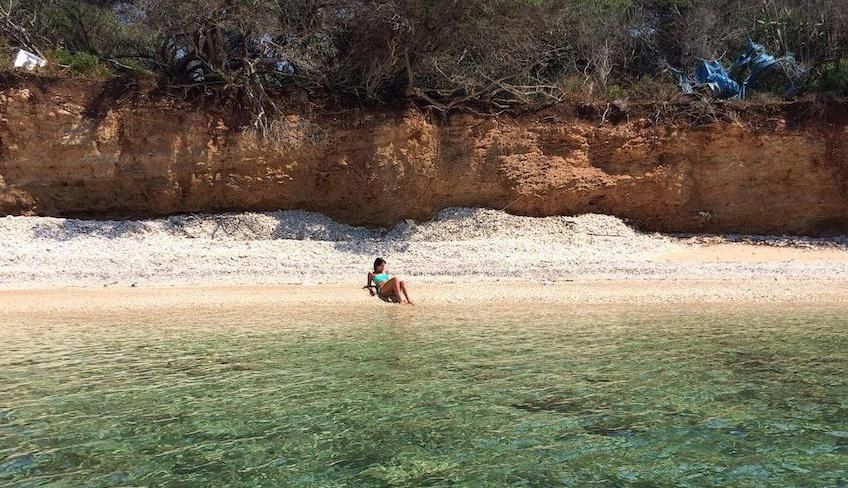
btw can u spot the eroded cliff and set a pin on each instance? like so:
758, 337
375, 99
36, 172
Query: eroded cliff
71, 148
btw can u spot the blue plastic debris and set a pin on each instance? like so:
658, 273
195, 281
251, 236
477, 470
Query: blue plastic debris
755, 59
759, 64
709, 75
755, 62
712, 74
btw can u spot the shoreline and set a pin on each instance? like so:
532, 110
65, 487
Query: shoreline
632, 292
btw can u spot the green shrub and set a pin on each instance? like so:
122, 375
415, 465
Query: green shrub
81, 63
485, 55
614, 92
575, 89
831, 77
654, 88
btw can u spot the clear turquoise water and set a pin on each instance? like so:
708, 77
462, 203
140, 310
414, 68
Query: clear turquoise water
457, 396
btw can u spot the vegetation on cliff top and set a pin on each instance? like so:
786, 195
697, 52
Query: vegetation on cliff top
481, 55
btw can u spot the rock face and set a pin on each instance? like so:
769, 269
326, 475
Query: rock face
70, 148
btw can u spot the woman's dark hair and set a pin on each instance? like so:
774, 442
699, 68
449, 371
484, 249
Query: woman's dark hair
378, 262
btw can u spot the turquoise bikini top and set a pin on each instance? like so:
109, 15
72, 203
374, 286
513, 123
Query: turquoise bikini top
381, 278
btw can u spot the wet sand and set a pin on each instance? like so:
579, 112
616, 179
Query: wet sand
97, 300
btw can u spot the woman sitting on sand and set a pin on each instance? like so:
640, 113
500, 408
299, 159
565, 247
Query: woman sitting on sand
387, 286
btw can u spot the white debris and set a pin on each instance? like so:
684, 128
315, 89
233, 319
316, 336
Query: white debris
29, 61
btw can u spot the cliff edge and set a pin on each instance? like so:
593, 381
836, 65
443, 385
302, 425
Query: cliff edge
97, 149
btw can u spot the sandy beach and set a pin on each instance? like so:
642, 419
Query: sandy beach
462, 256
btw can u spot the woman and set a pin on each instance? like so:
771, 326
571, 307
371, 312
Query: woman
386, 285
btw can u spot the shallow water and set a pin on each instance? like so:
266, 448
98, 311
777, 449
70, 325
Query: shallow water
458, 396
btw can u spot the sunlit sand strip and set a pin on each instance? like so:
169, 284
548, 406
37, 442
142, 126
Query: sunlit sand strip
16, 303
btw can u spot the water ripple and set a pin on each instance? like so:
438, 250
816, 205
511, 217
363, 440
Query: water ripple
550, 396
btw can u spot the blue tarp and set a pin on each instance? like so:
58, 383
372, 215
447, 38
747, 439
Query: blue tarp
756, 62
713, 74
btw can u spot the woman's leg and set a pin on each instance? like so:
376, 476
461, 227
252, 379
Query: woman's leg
392, 288
398, 290
405, 293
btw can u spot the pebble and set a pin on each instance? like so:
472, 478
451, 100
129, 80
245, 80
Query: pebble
459, 245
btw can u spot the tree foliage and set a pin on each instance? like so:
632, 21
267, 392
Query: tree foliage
480, 55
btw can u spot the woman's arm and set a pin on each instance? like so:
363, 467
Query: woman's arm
368, 284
